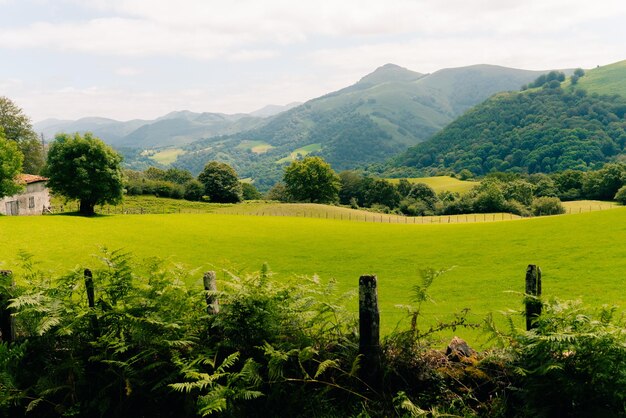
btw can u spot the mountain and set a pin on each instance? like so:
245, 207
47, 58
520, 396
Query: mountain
271, 110
382, 114
553, 128
173, 129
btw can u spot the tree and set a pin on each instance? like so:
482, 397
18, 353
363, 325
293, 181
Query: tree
620, 196
312, 180
17, 128
194, 190
221, 183
10, 166
425, 193
250, 192
86, 169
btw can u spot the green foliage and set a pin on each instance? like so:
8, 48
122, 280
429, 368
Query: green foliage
572, 363
547, 206
311, 180
112, 360
10, 166
620, 196
17, 128
546, 130
86, 169
156, 182
221, 184
604, 183
278, 192
250, 192
194, 190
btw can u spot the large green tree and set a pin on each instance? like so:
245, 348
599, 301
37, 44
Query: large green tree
84, 168
10, 166
221, 183
17, 128
312, 180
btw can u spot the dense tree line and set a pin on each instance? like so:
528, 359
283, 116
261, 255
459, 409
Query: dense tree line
521, 194
541, 130
218, 182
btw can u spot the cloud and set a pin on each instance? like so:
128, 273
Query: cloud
252, 55
207, 30
128, 71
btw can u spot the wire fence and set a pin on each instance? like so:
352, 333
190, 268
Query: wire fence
342, 214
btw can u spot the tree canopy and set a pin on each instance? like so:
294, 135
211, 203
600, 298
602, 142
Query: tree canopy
10, 166
221, 183
312, 180
84, 168
17, 128
538, 131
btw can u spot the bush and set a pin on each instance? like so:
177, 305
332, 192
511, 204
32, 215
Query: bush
573, 363
547, 206
194, 190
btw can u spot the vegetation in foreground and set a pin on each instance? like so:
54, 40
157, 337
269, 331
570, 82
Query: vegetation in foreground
149, 345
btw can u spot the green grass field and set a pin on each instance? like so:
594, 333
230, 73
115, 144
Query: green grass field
257, 147
443, 183
167, 156
608, 79
302, 152
582, 256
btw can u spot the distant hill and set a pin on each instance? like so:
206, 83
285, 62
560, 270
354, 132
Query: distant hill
539, 130
174, 129
382, 114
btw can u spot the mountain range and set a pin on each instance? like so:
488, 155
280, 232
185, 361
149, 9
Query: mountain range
381, 115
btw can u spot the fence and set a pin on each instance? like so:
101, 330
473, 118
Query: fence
344, 214
369, 314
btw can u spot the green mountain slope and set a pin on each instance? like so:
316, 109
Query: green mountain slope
383, 114
540, 130
608, 79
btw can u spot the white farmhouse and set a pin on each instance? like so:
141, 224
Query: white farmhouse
34, 199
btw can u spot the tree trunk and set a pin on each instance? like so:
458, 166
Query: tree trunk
87, 208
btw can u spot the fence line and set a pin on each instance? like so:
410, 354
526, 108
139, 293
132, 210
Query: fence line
373, 217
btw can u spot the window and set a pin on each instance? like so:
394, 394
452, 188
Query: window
31, 202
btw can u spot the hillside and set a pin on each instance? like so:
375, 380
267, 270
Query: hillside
381, 115
608, 79
540, 130
174, 129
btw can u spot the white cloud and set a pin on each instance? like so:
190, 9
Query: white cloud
252, 55
128, 71
207, 29
428, 55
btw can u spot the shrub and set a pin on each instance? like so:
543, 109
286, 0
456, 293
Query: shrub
547, 206
572, 363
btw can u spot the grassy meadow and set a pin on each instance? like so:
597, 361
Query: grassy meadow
443, 183
582, 255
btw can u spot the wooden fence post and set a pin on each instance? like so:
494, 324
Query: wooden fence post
7, 322
210, 285
533, 293
91, 300
369, 332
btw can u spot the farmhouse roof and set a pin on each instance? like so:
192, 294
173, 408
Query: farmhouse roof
30, 178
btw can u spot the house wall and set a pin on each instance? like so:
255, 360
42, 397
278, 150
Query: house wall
27, 206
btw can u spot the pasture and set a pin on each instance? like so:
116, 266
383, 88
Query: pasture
443, 183
582, 255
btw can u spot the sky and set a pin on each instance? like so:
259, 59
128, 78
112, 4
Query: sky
140, 59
